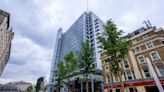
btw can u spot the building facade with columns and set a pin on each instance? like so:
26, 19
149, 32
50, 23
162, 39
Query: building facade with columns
6, 36
147, 44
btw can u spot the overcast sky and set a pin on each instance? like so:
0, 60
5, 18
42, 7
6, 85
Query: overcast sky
35, 23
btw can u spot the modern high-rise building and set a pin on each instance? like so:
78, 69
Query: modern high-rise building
143, 63
6, 35
86, 28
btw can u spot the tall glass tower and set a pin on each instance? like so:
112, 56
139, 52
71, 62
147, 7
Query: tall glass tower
87, 27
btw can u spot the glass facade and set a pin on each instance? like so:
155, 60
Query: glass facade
87, 27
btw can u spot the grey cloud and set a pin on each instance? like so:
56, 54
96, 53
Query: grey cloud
28, 19
30, 60
35, 23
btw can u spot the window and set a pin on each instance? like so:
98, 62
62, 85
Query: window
149, 45
106, 68
95, 20
129, 75
133, 90
92, 45
155, 56
97, 34
116, 78
97, 26
97, 30
141, 59
134, 41
91, 40
126, 64
117, 90
147, 74
162, 41
161, 70
137, 49
108, 77
145, 36
91, 33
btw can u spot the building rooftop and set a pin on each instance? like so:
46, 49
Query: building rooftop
141, 29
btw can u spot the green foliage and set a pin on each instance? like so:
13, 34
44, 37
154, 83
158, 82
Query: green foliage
116, 46
66, 68
38, 86
86, 62
61, 73
70, 64
29, 89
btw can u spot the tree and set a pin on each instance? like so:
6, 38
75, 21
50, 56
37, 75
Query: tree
29, 89
70, 63
116, 47
61, 74
38, 86
86, 62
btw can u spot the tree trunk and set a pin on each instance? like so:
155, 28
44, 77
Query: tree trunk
68, 84
121, 82
57, 89
112, 81
68, 87
87, 85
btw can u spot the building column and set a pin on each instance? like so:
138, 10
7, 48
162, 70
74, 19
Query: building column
157, 81
137, 72
141, 89
81, 86
114, 90
102, 86
92, 84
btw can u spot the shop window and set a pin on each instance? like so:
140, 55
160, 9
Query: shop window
133, 90
117, 90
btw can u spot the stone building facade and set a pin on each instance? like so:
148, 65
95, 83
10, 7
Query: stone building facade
6, 36
146, 43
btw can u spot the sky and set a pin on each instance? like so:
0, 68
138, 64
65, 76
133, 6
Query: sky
35, 24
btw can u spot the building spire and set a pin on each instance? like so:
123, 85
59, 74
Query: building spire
87, 5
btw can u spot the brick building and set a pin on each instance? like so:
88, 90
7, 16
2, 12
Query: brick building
147, 42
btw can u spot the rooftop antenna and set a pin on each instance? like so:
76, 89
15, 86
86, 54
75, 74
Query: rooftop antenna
149, 23
145, 22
